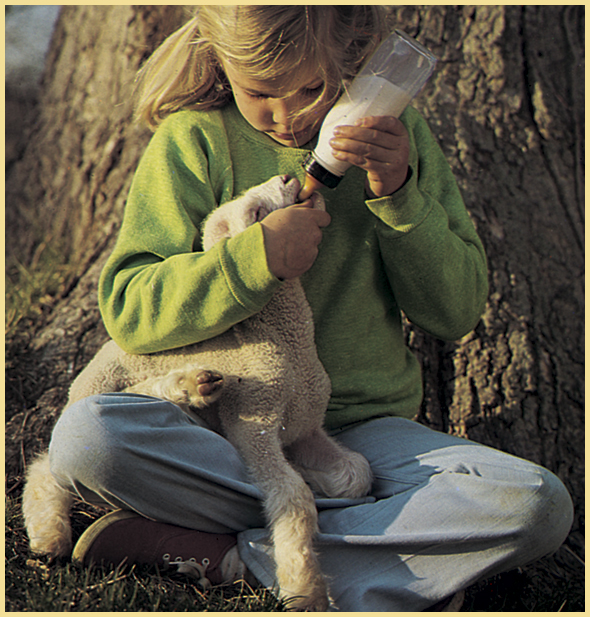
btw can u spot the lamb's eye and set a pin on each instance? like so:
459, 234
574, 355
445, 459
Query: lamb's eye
262, 212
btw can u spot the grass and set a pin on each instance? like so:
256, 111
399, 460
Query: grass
32, 290
554, 584
37, 585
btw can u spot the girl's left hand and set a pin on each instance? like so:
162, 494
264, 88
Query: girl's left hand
379, 145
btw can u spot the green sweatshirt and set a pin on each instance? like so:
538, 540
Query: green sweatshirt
415, 251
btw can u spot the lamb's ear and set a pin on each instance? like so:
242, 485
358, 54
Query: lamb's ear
215, 228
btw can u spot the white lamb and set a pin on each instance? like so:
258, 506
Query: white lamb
262, 386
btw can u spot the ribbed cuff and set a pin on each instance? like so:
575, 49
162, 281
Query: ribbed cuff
404, 210
244, 264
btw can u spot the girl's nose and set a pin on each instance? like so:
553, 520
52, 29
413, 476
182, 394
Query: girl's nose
283, 111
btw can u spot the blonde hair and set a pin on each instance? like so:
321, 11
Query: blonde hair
262, 43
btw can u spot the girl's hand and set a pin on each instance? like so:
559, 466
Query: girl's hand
291, 238
379, 145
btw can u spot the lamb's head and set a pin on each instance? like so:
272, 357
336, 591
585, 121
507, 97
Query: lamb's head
251, 207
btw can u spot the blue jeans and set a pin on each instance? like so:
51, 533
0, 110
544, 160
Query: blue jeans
443, 513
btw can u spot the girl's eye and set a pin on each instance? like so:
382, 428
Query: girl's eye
307, 92
313, 91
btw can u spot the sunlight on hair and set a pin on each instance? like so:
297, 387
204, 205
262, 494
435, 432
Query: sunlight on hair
261, 42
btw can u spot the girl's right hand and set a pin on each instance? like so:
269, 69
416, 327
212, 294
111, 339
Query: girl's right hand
291, 239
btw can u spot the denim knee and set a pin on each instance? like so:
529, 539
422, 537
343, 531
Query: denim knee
547, 515
80, 444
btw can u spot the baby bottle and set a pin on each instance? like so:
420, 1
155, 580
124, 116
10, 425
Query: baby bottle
394, 74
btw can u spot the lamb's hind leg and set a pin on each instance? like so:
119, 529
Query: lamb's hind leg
186, 387
329, 467
46, 509
291, 514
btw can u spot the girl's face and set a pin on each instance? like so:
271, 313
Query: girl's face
265, 107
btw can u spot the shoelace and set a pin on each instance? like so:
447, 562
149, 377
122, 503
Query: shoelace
191, 567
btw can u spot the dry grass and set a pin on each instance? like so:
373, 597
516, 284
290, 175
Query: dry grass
38, 585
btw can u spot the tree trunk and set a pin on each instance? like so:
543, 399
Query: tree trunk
70, 187
506, 103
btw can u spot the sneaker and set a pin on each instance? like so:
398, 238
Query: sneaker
123, 536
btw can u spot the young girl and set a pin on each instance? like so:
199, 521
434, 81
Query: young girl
238, 95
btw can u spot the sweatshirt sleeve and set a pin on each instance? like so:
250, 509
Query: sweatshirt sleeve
158, 289
434, 260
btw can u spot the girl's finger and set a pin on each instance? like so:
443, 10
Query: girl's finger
364, 136
387, 124
380, 124
370, 141
342, 148
365, 142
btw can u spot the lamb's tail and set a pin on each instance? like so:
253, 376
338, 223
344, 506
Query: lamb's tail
46, 509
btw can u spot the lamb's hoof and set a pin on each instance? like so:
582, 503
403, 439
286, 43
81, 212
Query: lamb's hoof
210, 385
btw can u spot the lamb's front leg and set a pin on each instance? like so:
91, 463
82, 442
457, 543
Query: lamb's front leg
291, 514
186, 387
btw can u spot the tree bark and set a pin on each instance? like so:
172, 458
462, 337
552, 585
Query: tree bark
507, 105
69, 189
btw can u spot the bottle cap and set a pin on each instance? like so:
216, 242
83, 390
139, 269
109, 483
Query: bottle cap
320, 173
